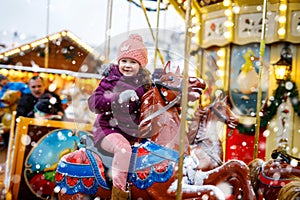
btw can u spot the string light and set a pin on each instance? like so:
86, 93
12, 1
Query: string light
282, 19
52, 37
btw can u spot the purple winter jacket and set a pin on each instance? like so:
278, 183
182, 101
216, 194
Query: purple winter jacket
112, 116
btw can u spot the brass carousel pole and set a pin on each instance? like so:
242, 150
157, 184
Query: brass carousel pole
184, 99
261, 65
47, 33
156, 37
108, 29
151, 31
129, 15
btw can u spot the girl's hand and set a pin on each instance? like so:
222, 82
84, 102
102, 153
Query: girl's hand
127, 95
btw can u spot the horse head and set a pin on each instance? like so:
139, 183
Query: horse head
223, 112
206, 118
171, 84
270, 177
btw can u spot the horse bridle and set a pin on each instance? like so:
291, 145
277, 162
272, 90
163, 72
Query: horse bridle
218, 114
284, 156
161, 84
168, 104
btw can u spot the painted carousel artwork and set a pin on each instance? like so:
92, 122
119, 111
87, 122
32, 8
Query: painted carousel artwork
244, 77
42, 160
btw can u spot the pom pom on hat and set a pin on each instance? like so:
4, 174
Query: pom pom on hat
134, 48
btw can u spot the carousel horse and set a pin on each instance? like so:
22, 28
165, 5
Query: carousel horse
269, 177
290, 191
154, 165
204, 133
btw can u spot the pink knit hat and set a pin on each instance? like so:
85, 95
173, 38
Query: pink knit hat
135, 49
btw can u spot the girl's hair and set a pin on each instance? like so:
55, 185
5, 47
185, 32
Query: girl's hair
145, 78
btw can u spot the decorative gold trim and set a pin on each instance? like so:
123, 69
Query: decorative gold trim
291, 8
213, 17
18, 156
9, 157
253, 10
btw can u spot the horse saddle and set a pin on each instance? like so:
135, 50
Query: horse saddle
150, 163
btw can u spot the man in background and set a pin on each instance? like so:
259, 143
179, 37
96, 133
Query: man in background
38, 89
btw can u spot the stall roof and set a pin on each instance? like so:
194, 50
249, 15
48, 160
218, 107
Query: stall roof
66, 52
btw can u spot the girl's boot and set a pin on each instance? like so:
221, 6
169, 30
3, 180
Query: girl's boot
118, 194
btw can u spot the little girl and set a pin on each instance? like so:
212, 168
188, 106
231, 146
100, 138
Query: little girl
117, 102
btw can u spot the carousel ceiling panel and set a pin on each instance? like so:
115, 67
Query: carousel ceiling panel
241, 21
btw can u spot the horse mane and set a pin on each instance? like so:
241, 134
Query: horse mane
202, 125
290, 191
147, 108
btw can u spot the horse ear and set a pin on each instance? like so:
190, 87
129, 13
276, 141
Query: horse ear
167, 67
178, 70
218, 98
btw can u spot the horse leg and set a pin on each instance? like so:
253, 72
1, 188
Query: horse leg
202, 192
78, 196
232, 171
195, 192
255, 167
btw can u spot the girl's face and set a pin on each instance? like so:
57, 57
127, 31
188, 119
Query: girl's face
129, 67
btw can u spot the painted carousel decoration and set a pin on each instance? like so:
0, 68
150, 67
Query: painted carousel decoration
33, 154
272, 177
244, 78
237, 27
41, 162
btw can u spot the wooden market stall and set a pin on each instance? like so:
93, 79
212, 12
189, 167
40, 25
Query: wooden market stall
61, 50
229, 36
62, 59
